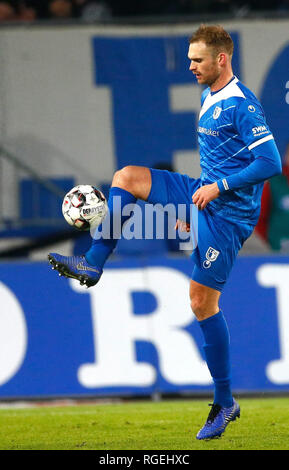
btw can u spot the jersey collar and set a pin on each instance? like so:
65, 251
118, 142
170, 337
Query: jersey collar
212, 93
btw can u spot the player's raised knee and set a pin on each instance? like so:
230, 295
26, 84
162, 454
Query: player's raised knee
134, 179
124, 178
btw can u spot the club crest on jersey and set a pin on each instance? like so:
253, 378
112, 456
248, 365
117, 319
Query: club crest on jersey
217, 112
211, 256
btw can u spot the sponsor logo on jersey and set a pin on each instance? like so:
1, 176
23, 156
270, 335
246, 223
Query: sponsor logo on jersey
217, 112
204, 130
259, 130
211, 256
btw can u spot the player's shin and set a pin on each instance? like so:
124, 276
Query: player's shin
108, 233
217, 353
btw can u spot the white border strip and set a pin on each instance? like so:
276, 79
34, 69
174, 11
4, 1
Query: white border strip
261, 141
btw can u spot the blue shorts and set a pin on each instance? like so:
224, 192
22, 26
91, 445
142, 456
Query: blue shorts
219, 240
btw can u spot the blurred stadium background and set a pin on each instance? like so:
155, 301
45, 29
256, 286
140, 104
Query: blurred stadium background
86, 88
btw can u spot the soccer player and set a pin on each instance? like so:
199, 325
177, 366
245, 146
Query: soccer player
237, 154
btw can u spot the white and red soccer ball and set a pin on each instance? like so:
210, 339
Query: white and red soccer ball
84, 206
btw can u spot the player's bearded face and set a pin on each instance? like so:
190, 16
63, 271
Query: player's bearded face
204, 63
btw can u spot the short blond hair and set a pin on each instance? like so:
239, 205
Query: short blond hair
214, 36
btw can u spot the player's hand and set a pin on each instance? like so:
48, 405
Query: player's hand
182, 226
205, 194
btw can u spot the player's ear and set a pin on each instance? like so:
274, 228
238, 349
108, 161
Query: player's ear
222, 58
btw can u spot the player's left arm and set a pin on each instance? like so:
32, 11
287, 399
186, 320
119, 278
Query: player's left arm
267, 163
266, 158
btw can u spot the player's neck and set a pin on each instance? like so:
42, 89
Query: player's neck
222, 81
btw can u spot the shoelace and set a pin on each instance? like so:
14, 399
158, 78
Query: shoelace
214, 412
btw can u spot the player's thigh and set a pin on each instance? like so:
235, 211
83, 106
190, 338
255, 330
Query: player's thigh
134, 179
172, 188
218, 244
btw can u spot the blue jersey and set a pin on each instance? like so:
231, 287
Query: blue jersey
232, 129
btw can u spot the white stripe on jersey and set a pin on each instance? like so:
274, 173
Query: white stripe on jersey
223, 143
226, 159
225, 125
260, 141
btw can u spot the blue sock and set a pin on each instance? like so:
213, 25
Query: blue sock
216, 347
101, 248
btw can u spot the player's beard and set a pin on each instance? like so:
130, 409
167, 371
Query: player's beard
210, 79
212, 76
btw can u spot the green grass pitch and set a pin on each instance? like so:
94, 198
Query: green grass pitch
143, 425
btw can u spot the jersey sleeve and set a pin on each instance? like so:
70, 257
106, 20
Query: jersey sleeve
251, 125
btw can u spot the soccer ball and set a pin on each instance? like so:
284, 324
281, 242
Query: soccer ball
84, 207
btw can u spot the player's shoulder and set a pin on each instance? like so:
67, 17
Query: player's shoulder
233, 93
233, 97
247, 100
